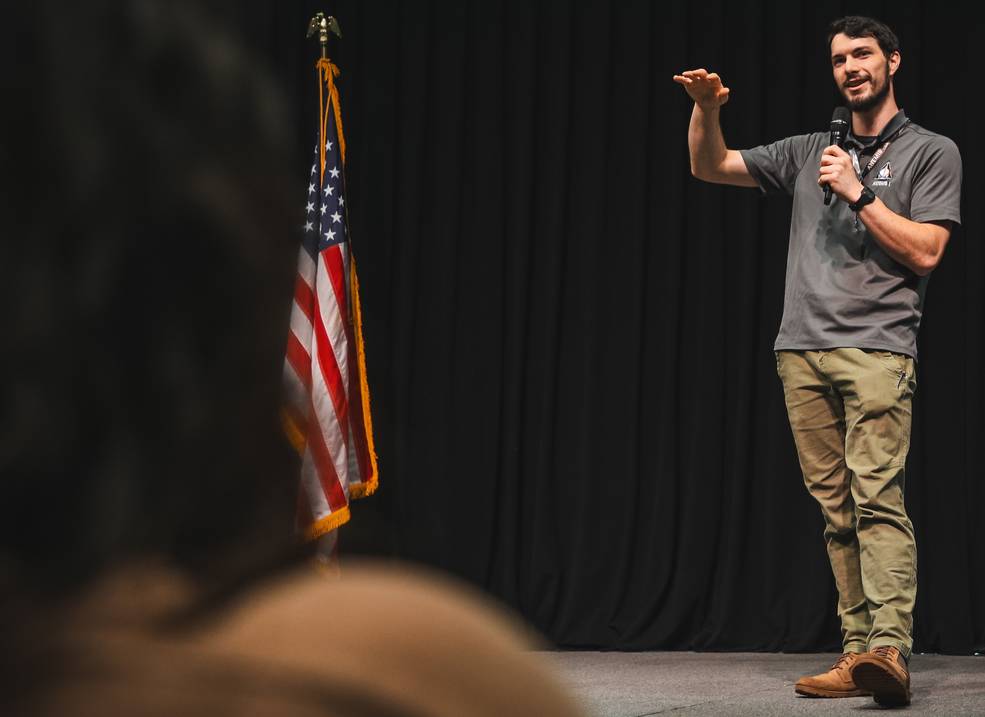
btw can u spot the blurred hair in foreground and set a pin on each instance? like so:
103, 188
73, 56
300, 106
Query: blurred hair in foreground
147, 264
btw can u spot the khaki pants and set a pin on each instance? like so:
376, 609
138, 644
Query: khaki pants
849, 411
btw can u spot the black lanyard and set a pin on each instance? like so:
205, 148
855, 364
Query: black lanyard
881, 151
875, 158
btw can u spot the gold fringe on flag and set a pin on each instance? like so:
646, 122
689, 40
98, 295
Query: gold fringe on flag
326, 524
368, 486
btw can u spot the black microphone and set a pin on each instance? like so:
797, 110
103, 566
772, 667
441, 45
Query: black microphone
839, 130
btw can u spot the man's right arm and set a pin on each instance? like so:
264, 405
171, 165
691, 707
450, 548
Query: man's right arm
711, 160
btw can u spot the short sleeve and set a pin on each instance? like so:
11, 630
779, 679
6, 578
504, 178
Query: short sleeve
775, 166
936, 193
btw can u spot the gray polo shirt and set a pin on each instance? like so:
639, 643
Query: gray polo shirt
842, 289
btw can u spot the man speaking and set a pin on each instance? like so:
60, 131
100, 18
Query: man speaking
857, 272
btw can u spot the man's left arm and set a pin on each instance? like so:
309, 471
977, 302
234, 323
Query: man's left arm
918, 245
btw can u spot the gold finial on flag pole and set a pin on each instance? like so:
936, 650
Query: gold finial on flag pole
322, 25
326, 75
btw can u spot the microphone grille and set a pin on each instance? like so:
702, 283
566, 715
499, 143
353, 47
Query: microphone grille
842, 116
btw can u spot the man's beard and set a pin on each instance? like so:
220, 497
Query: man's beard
864, 104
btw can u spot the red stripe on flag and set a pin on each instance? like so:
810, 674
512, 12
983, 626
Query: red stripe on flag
335, 268
355, 385
299, 359
331, 373
324, 466
304, 297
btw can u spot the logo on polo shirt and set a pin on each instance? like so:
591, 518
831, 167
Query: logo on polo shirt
885, 176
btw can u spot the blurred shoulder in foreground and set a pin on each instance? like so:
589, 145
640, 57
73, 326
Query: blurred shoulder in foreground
381, 640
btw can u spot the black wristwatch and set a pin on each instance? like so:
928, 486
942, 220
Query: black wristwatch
867, 197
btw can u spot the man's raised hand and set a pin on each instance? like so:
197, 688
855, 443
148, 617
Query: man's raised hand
704, 87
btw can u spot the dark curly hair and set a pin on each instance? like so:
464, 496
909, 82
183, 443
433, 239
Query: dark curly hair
860, 26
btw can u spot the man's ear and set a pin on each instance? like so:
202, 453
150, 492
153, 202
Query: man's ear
894, 62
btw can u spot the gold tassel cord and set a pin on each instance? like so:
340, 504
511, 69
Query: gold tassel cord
327, 72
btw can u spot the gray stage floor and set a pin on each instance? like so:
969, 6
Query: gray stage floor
634, 684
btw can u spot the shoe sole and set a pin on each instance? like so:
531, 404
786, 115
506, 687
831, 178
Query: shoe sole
885, 687
821, 692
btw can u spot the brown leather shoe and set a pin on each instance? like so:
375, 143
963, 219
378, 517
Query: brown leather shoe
883, 672
836, 682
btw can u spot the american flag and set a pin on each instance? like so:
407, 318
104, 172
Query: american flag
327, 408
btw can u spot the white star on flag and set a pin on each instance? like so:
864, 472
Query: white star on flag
311, 188
329, 235
308, 226
323, 209
334, 171
328, 145
309, 207
328, 189
336, 218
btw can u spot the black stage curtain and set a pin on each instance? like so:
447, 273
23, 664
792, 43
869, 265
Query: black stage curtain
570, 338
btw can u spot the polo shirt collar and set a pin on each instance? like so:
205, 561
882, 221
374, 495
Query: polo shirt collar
898, 120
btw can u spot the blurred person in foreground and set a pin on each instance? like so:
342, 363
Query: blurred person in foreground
147, 560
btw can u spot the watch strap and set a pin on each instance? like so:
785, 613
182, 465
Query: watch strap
867, 197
